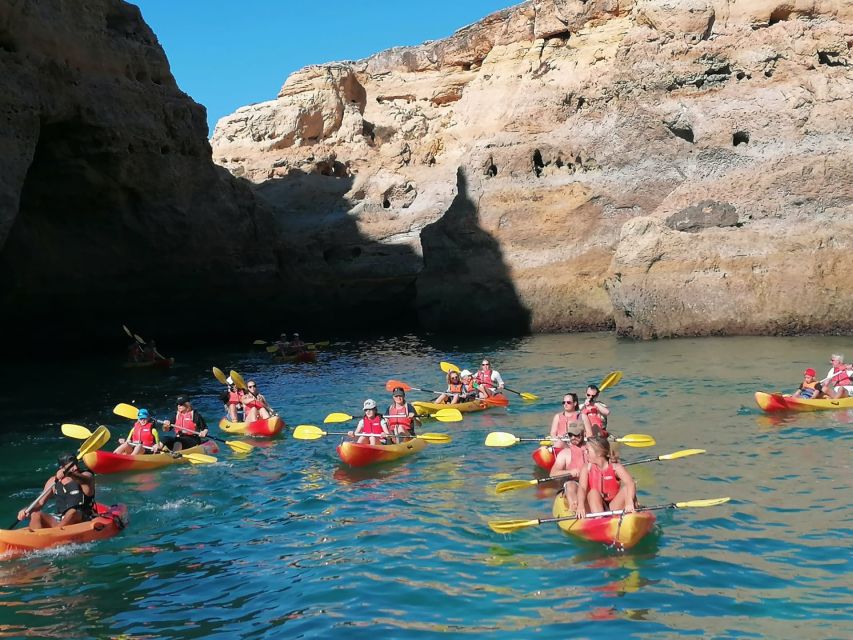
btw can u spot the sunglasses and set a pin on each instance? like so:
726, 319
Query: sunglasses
590, 395
251, 386
568, 401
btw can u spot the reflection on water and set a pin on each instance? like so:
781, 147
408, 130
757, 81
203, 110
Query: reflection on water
288, 542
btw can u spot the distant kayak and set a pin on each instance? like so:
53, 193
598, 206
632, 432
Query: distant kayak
110, 520
304, 356
264, 428
360, 455
163, 363
772, 402
108, 462
624, 530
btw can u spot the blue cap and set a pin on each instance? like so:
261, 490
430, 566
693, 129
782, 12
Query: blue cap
143, 413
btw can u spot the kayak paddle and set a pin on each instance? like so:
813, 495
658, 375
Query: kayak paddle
132, 413
310, 432
94, 442
610, 380
220, 376
503, 439
393, 384
508, 526
80, 432
512, 485
442, 415
238, 380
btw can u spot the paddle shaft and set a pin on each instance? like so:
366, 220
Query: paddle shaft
29, 509
615, 512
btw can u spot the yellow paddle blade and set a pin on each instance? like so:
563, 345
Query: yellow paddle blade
545, 443
322, 343
238, 379
681, 454
448, 415
508, 526
126, 411
512, 485
239, 447
95, 441
199, 458
127, 331
259, 342
338, 417
272, 348
435, 438
611, 380
219, 375
76, 431
711, 502
528, 396
500, 439
447, 367
637, 440
308, 432
138, 339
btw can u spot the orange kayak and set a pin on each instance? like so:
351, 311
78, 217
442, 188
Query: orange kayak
426, 408
110, 521
623, 531
544, 457
360, 455
108, 462
265, 428
772, 402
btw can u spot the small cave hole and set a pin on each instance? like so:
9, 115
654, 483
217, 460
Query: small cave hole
740, 75
780, 14
685, 133
829, 58
538, 164
768, 73
386, 203
740, 137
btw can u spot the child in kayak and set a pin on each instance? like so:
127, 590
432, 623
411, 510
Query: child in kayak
372, 428
142, 438
604, 484
455, 392
73, 490
809, 387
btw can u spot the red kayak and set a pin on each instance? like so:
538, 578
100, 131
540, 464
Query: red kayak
544, 457
108, 522
108, 462
265, 427
360, 455
623, 531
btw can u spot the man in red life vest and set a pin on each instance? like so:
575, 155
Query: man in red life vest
596, 412
401, 416
838, 382
189, 427
142, 438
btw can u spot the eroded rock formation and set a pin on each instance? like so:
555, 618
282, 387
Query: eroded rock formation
665, 167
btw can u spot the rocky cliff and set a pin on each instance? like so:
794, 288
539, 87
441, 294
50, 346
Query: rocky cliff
664, 167
111, 209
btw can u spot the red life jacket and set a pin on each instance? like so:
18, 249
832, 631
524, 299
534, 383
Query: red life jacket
233, 397
840, 376
372, 426
484, 378
403, 410
562, 425
578, 458
143, 433
184, 422
604, 481
595, 418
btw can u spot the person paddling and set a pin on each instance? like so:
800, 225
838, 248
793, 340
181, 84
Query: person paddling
372, 428
401, 416
595, 412
604, 484
809, 387
189, 427
232, 399
838, 382
73, 490
488, 380
255, 405
570, 460
142, 438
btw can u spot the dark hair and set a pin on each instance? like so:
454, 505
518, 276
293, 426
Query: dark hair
66, 459
594, 387
574, 397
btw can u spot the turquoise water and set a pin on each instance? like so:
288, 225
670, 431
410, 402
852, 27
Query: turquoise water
287, 543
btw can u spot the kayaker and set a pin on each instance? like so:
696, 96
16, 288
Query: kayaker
401, 416
596, 412
296, 345
231, 400
455, 389
142, 438
489, 381
372, 428
73, 489
838, 382
255, 405
561, 421
569, 462
189, 427
604, 484
134, 352
282, 343
469, 387
809, 387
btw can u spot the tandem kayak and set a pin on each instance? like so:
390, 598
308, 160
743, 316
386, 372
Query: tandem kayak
623, 531
163, 363
426, 408
360, 455
304, 356
108, 462
771, 402
263, 428
110, 520
545, 457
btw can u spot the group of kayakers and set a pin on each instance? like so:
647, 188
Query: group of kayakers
245, 405
293, 346
837, 383
463, 386
137, 352
397, 424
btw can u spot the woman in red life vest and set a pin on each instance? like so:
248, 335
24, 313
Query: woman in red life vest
401, 416
561, 421
595, 412
255, 405
232, 399
142, 438
189, 427
838, 382
604, 484
488, 380
455, 389
809, 387
372, 428
570, 460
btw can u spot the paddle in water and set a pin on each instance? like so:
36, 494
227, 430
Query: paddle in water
508, 526
310, 432
512, 485
504, 439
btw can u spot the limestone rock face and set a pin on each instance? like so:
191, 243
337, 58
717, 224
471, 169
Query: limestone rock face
664, 167
111, 210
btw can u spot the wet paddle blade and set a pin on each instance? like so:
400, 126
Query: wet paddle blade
126, 411
219, 375
529, 396
512, 485
681, 454
610, 380
496, 401
447, 367
508, 526
393, 384
712, 502
637, 440
322, 343
500, 439
238, 379
239, 447
127, 331
447, 417
199, 458
338, 417
138, 339
76, 431
95, 441
435, 438
259, 342
308, 432
272, 348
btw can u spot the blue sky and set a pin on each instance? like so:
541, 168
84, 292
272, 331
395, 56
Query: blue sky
226, 54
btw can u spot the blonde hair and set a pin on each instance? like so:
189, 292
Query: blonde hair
603, 447
839, 356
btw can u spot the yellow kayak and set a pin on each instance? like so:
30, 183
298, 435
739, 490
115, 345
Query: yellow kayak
773, 402
426, 408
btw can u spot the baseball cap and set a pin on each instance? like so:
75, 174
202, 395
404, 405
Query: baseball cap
575, 428
398, 391
369, 404
182, 400
143, 413
464, 373
810, 372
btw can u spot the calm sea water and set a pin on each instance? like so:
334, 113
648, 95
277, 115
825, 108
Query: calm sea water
287, 543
